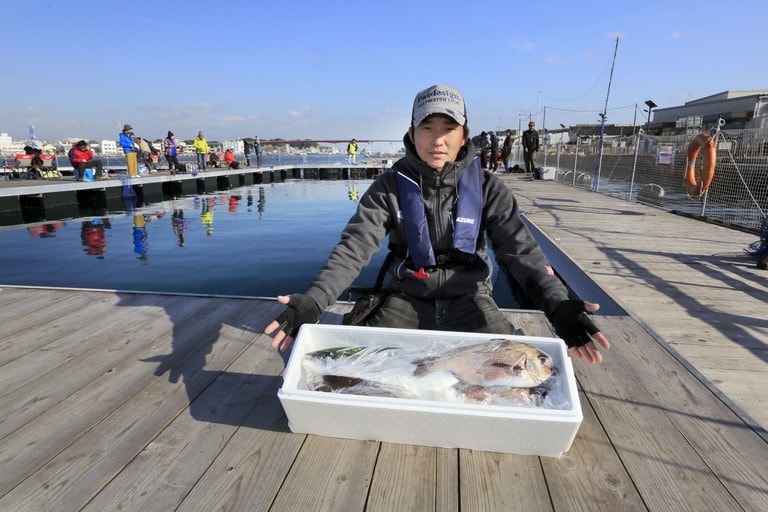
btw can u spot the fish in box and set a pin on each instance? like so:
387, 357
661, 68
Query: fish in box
455, 390
494, 371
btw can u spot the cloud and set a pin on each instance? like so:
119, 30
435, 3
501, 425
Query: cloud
303, 112
521, 46
554, 60
231, 120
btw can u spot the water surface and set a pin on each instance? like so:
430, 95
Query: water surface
260, 240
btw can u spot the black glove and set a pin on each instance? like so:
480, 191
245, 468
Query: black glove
302, 309
572, 323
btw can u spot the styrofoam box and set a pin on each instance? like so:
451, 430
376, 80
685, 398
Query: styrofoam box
548, 173
495, 428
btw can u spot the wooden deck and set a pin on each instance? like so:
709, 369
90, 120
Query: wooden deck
128, 401
689, 282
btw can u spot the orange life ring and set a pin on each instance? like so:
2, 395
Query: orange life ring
696, 187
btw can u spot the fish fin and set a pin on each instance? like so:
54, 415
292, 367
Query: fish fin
334, 352
423, 366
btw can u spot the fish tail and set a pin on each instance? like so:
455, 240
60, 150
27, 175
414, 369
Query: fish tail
335, 382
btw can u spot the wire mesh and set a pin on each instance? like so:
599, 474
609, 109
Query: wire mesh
650, 169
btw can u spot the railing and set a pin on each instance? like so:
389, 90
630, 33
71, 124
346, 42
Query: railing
650, 169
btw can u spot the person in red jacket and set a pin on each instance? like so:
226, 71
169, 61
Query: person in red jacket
229, 157
81, 158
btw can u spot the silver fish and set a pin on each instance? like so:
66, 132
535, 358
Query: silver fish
499, 362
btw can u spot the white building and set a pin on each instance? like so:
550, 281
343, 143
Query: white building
7, 146
739, 110
108, 147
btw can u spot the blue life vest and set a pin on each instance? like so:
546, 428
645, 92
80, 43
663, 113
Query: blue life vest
466, 223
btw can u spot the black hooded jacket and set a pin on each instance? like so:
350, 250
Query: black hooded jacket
378, 216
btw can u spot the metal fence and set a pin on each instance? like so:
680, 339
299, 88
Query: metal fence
650, 169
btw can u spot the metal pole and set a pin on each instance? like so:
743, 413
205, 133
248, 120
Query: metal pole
634, 164
544, 130
519, 137
596, 178
575, 161
634, 121
596, 181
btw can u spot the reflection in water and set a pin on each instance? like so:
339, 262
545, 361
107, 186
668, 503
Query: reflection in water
352, 191
46, 230
140, 245
279, 254
234, 201
262, 202
94, 238
178, 224
206, 214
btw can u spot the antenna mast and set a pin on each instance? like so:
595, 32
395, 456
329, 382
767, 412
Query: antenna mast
596, 181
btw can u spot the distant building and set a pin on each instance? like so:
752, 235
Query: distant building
8, 147
108, 147
739, 110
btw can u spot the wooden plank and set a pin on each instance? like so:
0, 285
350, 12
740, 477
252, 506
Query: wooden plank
101, 355
64, 347
500, 481
32, 325
404, 478
251, 469
737, 456
197, 436
137, 406
43, 308
447, 481
329, 475
591, 471
666, 469
10, 295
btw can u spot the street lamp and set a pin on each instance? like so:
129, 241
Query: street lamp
651, 106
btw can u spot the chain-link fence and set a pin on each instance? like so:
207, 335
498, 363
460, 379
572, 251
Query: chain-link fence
650, 169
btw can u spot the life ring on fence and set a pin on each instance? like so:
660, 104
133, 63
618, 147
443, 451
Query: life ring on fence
704, 143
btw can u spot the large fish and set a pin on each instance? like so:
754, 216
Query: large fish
496, 371
499, 362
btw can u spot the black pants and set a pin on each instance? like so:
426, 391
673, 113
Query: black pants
96, 165
530, 161
173, 162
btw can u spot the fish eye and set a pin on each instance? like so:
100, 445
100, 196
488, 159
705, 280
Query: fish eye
543, 359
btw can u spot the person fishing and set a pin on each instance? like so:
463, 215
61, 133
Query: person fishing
435, 207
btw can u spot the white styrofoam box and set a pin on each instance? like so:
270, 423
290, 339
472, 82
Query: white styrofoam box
547, 173
495, 428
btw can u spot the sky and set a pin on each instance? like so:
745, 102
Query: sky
336, 69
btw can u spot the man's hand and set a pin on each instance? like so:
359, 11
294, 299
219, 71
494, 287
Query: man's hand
577, 330
302, 309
